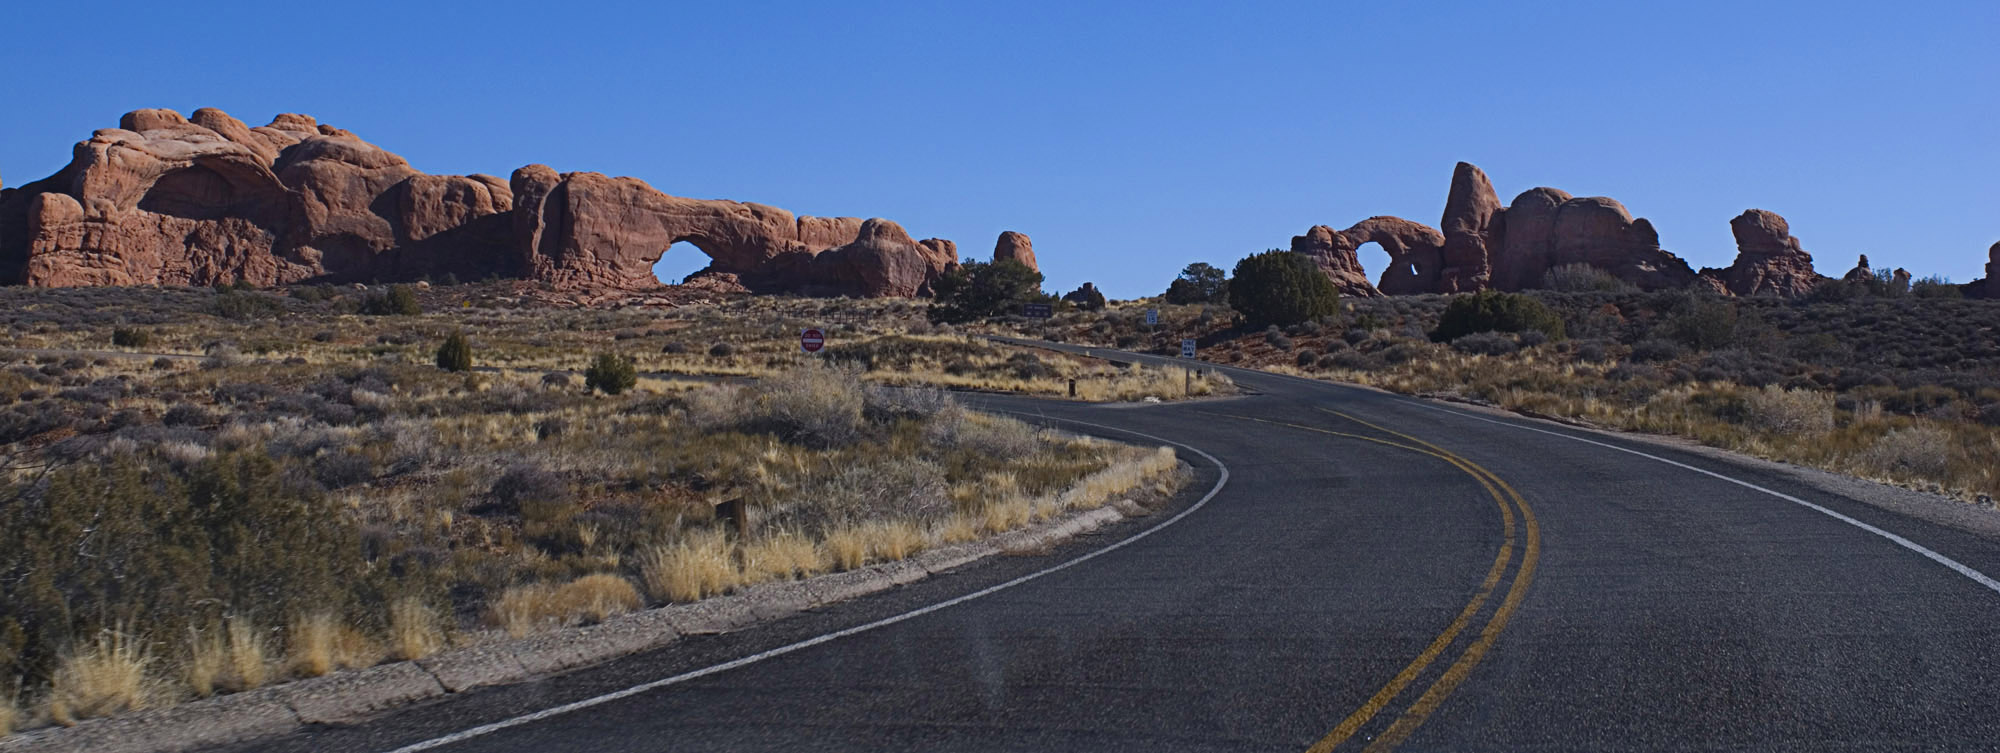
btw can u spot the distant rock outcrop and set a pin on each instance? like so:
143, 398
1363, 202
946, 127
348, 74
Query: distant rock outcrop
1861, 271
1769, 261
1016, 246
1992, 271
205, 200
1334, 255
1474, 227
1485, 246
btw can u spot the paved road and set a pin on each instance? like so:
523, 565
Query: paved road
1374, 572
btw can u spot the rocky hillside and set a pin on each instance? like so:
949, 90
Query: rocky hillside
1486, 245
203, 200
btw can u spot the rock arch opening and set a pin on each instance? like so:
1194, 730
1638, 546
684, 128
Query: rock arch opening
681, 259
1373, 257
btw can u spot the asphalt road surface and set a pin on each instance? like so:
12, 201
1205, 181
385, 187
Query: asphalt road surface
1369, 572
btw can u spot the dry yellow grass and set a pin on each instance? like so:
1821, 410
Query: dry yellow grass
701, 564
522, 610
105, 676
249, 655
893, 540
848, 547
781, 555
1008, 514
311, 643
207, 654
1122, 477
10, 715
958, 528
321, 643
414, 632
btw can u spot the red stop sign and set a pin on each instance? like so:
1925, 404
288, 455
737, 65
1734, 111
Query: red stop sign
812, 340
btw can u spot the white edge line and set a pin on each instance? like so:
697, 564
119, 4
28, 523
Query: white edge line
1961, 568
486, 729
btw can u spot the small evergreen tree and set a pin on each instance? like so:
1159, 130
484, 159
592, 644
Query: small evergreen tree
976, 290
611, 373
399, 301
1282, 288
455, 354
1199, 282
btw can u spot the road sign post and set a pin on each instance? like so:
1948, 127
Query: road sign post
812, 340
1187, 373
1152, 317
1037, 310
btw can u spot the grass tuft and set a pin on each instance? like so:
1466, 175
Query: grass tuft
109, 674
701, 564
414, 631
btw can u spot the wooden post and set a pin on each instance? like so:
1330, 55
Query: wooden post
733, 513
1072, 388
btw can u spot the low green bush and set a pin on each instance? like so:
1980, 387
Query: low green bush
1494, 311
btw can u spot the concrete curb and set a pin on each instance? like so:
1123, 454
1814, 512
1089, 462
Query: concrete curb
351, 695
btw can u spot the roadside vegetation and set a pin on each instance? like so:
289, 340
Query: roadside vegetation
323, 479
1900, 385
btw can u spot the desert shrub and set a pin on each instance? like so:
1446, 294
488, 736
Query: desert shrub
903, 489
1582, 278
1280, 287
1703, 324
1593, 351
131, 337
1199, 282
813, 406
522, 485
1836, 291
1781, 411
1306, 357
240, 305
1532, 338
722, 350
126, 544
976, 290
1029, 366
1935, 287
557, 380
611, 374
1654, 350
455, 354
1276, 338
1485, 344
1493, 311
1924, 452
399, 300
1990, 414
674, 348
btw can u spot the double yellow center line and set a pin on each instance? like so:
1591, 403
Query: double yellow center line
1530, 544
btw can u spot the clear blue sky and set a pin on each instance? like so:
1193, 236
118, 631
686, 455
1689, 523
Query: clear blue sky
1126, 139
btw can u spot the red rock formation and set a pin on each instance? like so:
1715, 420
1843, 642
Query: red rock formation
170, 200
1016, 246
1333, 252
1861, 271
1528, 252
1992, 272
1416, 253
1474, 228
1769, 261
882, 261
1597, 230
1486, 246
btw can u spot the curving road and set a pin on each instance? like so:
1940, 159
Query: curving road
1353, 571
